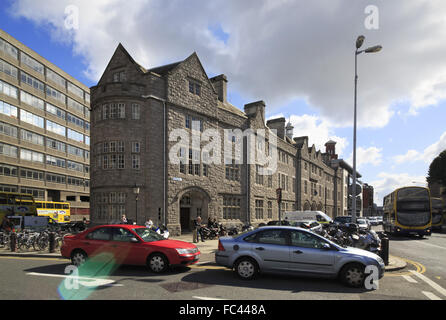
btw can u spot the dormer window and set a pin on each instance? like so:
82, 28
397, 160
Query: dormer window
194, 87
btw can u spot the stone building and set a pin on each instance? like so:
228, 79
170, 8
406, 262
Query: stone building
44, 129
136, 115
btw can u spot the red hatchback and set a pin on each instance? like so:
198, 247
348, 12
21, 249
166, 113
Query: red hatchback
129, 244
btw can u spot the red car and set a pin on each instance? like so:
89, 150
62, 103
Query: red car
129, 244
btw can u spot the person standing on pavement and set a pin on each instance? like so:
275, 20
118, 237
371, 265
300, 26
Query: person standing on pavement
198, 226
124, 219
7, 224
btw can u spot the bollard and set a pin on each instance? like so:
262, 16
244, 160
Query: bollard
385, 250
52, 242
13, 241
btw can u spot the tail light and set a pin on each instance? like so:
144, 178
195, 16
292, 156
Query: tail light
220, 246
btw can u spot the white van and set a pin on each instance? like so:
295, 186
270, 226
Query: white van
319, 216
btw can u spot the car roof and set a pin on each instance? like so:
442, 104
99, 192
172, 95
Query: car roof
124, 226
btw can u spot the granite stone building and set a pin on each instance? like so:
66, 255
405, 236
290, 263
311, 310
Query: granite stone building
135, 112
44, 128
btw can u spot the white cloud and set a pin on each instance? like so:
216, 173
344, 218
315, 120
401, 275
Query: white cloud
428, 154
276, 51
388, 182
319, 131
371, 155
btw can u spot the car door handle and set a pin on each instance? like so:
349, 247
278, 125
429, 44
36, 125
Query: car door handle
298, 251
260, 248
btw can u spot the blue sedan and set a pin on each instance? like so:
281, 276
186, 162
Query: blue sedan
292, 250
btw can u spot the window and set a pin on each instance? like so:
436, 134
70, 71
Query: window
75, 151
8, 150
119, 76
75, 106
31, 118
31, 81
9, 90
29, 155
71, 165
136, 147
53, 161
306, 240
9, 171
273, 236
259, 209
135, 161
259, 176
37, 193
270, 209
9, 49
8, 110
194, 87
231, 207
32, 137
76, 121
74, 135
75, 90
122, 235
54, 94
56, 145
31, 174
136, 111
31, 100
305, 187
8, 69
32, 63
55, 128
55, 111
8, 130
55, 178
54, 77
100, 234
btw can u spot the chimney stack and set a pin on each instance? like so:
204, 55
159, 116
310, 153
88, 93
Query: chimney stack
221, 86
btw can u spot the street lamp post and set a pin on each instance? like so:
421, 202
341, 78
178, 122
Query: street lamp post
359, 42
136, 192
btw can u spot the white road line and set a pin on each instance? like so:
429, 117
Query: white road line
410, 279
85, 281
430, 282
431, 245
430, 295
206, 298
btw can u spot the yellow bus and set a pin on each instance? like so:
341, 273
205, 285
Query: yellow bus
438, 213
408, 210
58, 211
16, 204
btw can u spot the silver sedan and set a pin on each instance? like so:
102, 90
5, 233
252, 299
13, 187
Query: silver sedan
291, 250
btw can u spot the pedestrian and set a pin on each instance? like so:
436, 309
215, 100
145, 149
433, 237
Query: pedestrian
124, 219
7, 224
149, 223
198, 227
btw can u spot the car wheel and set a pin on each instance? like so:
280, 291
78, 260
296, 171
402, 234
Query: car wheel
78, 257
353, 275
246, 268
157, 263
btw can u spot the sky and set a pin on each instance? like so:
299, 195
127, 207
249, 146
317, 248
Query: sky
297, 56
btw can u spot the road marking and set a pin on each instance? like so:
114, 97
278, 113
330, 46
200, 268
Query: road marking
33, 258
85, 281
430, 282
208, 267
410, 279
431, 245
430, 295
207, 298
420, 269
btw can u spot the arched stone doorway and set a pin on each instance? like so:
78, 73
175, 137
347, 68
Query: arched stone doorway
319, 207
307, 206
313, 206
193, 202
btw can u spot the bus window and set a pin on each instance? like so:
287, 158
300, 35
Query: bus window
3, 199
49, 205
66, 206
58, 205
39, 205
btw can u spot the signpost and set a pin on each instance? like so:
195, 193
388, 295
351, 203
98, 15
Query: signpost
279, 201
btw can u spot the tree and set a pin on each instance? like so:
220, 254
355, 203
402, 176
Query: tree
437, 170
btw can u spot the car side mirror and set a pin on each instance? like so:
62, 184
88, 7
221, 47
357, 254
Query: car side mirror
134, 240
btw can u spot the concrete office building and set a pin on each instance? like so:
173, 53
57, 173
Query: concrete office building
44, 128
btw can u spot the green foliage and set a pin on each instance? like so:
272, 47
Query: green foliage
437, 170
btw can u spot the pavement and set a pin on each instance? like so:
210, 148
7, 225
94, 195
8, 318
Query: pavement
207, 249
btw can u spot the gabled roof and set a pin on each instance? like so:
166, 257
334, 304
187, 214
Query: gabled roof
162, 70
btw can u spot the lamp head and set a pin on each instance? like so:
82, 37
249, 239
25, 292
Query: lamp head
373, 49
359, 41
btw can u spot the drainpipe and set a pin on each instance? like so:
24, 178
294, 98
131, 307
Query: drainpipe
164, 151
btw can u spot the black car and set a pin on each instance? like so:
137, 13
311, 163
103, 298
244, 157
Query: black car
276, 223
342, 220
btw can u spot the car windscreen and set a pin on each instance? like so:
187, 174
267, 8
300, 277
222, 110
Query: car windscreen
361, 221
148, 235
